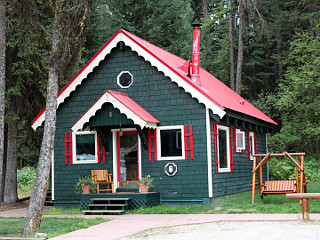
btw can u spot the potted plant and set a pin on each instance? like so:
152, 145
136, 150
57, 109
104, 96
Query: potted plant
86, 185
145, 183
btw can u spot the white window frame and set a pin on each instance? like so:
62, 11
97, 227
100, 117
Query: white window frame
118, 79
181, 127
240, 149
252, 145
74, 147
227, 169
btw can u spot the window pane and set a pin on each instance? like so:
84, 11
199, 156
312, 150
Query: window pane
240, 140
85, 148
171, 143
252, 145
223, 155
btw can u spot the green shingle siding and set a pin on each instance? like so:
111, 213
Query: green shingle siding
161, 98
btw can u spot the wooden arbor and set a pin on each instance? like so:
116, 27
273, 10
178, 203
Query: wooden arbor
278, 187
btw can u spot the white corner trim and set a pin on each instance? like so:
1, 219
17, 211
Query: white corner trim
107, 97
209, 153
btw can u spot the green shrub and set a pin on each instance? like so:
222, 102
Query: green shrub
285, 169
26, 177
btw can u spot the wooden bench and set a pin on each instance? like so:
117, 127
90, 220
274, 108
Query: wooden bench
305, 197
280, 187
102, 177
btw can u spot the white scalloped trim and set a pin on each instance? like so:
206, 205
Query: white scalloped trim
107, 97
148, 57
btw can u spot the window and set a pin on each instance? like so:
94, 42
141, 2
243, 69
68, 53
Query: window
170, 143
240, 136
125, 79
223, 149
252, 145
85, 147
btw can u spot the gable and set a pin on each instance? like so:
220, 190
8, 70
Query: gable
213, 94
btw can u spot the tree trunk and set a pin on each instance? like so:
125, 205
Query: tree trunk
69, 34
231, 53
39, 190
10, 189
279, 59
240, 48
205, 9
3, 7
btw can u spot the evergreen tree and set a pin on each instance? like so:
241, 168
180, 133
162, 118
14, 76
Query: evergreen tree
166, 24
299, 99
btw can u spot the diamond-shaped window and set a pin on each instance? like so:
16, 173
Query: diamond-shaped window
125, 79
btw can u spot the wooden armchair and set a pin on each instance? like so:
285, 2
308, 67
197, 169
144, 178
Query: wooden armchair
102, 177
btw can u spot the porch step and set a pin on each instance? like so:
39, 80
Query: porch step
110, 199
48, 198
107, 206
88, 212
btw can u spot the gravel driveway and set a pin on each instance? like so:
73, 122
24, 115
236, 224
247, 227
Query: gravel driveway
235, 230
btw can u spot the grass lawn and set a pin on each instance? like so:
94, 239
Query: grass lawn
13, 227
241, 203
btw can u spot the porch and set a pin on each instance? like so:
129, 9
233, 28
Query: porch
123, 200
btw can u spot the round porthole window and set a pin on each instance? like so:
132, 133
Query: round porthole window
125, 79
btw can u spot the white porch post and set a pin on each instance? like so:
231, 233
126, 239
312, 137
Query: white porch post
209, 153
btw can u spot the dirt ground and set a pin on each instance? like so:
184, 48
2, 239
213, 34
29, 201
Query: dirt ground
11, 206
235, 230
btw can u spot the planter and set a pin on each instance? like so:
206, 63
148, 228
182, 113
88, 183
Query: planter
143, 188
86, 189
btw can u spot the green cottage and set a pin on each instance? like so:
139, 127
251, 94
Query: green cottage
138, 110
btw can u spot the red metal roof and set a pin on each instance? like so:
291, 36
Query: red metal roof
126, 106
133, 106
211, 88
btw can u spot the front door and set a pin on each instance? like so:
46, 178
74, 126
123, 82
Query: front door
127, 157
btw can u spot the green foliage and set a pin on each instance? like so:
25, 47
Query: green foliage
146, 180
284, 169
299, 99
51, 226
26, 177
85, 181
166, 24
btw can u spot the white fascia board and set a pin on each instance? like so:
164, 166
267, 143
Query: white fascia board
106, 97
39, 121
173, 76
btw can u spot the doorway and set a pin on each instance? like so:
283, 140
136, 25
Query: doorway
128, 163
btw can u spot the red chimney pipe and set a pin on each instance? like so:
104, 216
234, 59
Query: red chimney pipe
195, 74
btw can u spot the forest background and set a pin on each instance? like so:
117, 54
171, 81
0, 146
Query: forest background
266, 50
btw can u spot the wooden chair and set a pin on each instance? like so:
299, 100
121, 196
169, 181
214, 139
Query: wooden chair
102, 177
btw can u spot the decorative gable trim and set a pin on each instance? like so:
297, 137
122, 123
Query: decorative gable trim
196, 91
130, 108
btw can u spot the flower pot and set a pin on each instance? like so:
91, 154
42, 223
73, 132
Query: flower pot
144, 188
86, 189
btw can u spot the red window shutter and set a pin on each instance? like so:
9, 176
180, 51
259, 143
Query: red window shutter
255, 144
231, 149
216, 160
249, 148
186, 135
101, 153
67, 147
154, 138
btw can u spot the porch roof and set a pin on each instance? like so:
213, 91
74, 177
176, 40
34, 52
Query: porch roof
125, 105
